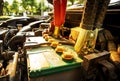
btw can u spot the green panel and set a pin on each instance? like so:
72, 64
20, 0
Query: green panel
55, 61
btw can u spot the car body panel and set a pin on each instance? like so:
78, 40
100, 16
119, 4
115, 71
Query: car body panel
12, 22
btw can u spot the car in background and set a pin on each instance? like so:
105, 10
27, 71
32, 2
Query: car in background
13, 23
18, 39
35, 24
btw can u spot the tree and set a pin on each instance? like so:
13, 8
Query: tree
38, 8
6, 8
24, 4
29, 5
1, 7
15, 7
32, 4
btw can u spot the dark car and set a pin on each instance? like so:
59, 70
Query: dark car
17, 40
14, 37
32, 25
35, 24
12, 23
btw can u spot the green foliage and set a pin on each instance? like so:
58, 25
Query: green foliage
31, 6
6, 8
15, 7
4, 17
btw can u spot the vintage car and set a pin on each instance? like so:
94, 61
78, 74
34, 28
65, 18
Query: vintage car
17, 40
13, 23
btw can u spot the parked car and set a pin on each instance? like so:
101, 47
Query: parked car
17, 40
13, 23
35, 24
32, 25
